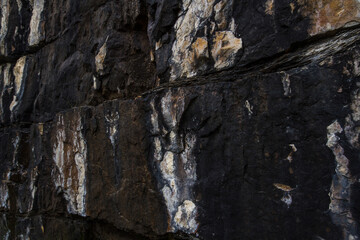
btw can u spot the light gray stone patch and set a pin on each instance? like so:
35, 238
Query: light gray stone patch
37, 31
5, 74
286, 84
4, 192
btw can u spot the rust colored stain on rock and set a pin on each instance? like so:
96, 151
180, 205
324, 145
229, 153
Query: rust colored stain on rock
328, 15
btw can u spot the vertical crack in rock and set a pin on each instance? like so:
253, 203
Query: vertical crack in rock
112, 130
5, 11
69, 155
37, 26
190, 52
174, 158
19, 82
340, 191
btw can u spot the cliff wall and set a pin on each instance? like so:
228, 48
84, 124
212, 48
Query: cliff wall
192, 119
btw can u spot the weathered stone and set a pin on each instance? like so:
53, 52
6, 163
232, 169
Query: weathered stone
203, 119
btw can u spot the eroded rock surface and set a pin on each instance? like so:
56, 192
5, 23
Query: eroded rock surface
184, 119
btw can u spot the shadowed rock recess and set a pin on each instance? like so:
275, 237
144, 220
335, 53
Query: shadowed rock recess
181, 119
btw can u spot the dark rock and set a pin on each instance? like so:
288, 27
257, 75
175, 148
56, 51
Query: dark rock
179, 119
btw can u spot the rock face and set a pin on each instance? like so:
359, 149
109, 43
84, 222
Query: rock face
200, 119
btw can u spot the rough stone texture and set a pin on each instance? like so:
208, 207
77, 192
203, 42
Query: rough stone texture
192, 119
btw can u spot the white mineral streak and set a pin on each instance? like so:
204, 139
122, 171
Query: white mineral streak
293, 150
16, 148
286, 84
19, 4
7, 235
69, 154
5, 11
5, 74
248, 107
18, 85
173, 154
112, 125
340, 190
190, 51
96, 83
4, 192
36, 34
32, 187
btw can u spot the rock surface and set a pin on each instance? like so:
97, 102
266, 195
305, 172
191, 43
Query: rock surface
184, 119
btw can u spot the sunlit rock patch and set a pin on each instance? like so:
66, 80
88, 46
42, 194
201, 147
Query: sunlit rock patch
191, 54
